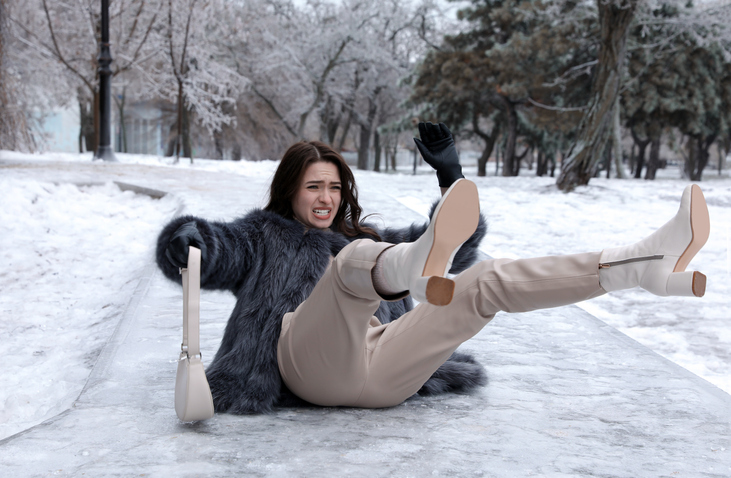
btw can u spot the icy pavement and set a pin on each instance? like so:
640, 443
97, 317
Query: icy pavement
568, 396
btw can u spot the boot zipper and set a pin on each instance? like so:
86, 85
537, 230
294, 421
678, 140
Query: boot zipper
607, 265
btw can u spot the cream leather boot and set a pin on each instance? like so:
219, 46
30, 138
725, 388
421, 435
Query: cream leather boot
420, 267
657, 263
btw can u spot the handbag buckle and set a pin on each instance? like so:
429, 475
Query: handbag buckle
184, 352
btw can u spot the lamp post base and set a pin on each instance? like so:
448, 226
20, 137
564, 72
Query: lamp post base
105, 153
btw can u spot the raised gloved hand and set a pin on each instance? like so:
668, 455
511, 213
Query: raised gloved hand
437, 148
185, 236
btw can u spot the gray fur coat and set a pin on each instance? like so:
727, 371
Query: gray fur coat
271, 265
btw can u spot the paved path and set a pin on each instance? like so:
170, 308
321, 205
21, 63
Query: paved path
568, 396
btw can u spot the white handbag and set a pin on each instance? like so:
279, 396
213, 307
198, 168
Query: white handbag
193, 400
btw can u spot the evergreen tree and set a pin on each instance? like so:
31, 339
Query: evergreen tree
517, 56
706, 114
450, 85
682, 84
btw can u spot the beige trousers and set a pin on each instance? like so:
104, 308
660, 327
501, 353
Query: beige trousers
333, 351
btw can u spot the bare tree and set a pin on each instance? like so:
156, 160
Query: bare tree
68, 34
15, 132
194, 75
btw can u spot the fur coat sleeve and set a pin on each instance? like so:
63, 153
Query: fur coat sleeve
230, 249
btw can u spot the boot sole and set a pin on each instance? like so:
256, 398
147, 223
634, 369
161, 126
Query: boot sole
454, 223
699, 284
700, 226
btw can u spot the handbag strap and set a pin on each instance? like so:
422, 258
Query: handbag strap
191, 303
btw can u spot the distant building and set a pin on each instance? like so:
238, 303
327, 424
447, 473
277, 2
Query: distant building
60, 130
143, 131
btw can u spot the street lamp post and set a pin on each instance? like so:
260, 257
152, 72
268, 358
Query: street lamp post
104, 150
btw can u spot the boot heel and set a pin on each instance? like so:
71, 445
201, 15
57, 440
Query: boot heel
689, 284
435, 290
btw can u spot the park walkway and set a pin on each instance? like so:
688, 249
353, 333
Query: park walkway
568, 396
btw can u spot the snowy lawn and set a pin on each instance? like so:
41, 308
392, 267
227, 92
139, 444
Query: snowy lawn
71, 260
72, 257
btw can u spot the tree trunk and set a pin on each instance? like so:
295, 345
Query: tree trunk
518, 160
393, 155
615, 18
329, 122
489, 146
172, 140
122, 122
617, 145
87, 134
721, 157
482, 161
632, 159
350, 105
653, 162
509, 167
541, 164
641, 158
236, 152
703, 155
182, 128
97, 119
530, 159
332, 127
179, 123
377, 148
324, 114
365, 135
497, 161
187, 147
364, 146
346, 130
692, 158
641, 148
699, 146
552, 159
218, 143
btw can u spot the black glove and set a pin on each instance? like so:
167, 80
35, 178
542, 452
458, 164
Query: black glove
438, 150
185, 236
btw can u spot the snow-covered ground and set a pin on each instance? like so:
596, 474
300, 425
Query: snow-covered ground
71, 257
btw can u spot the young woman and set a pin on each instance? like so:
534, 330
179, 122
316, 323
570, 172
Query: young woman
323, 310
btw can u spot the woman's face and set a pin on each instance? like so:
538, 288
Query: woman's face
317, 200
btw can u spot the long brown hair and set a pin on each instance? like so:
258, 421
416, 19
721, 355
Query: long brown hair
289, 175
